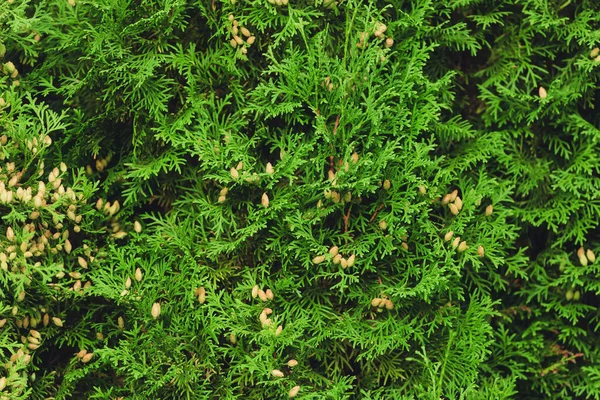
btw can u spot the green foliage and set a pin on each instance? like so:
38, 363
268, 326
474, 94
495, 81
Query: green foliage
390, 194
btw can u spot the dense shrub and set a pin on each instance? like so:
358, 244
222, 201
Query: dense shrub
320, 199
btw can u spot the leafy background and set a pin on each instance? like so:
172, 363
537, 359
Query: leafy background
181, 170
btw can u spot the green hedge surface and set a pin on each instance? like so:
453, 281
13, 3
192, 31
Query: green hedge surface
273, 199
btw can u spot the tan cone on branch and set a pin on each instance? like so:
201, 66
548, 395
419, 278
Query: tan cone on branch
294, 391
155, 310
277, 373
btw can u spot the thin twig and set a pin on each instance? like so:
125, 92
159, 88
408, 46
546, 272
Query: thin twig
375, 213
346, 219
337, 124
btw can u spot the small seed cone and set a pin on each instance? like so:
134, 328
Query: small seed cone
453, 208
488, 210
155, 310
590, 255
448, 236
318, 259
294, 391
